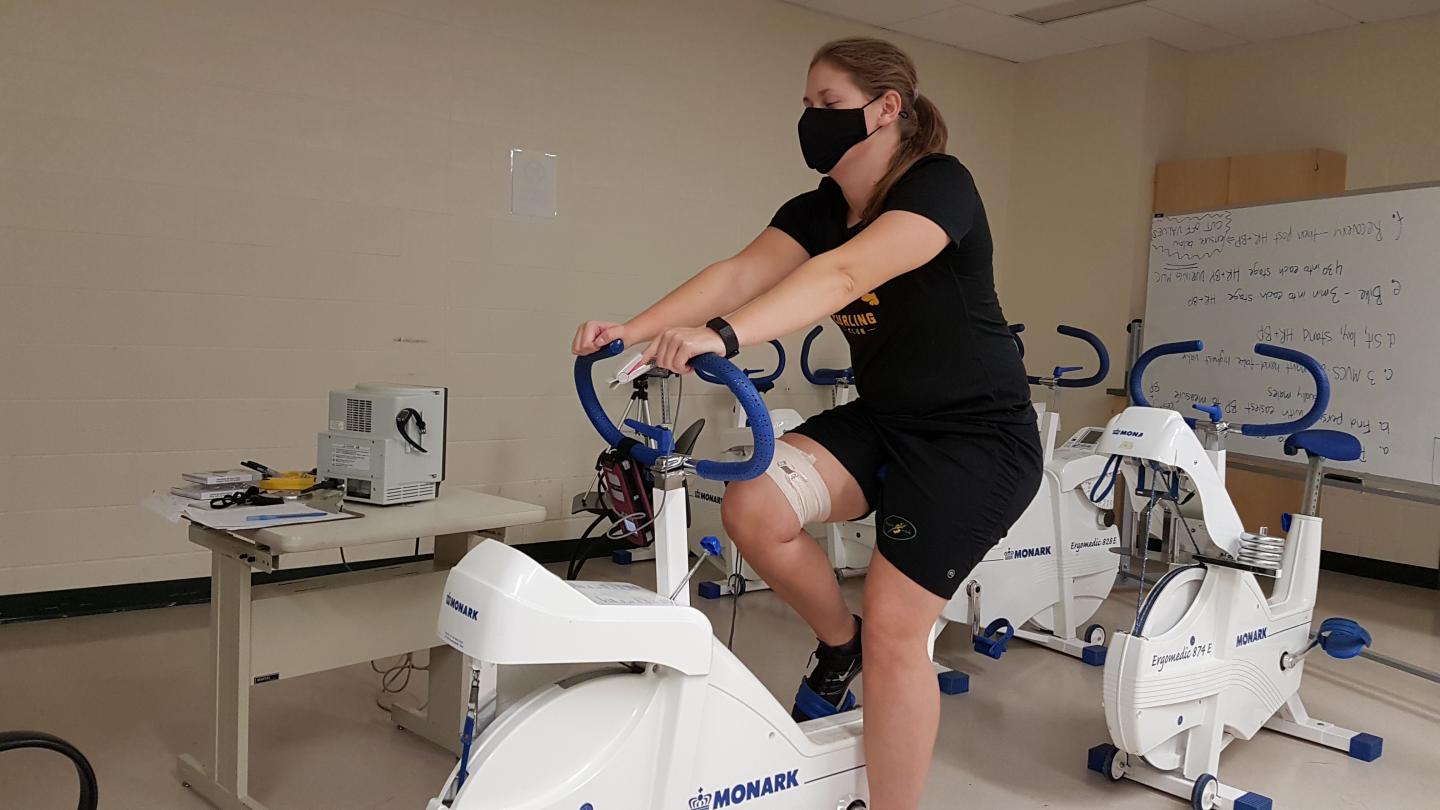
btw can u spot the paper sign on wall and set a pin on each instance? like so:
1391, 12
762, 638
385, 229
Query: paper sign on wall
533, 183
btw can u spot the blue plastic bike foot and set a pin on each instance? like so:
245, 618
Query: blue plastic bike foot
621, 557
1366, 747
1252, 801
954, 683
710, 590
1098, 758
1094, 655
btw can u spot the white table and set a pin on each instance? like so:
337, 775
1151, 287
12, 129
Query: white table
283, 630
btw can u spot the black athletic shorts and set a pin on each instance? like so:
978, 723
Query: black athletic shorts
944, 492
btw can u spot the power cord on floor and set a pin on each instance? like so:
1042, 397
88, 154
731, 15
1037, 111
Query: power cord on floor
736, 584
395, 679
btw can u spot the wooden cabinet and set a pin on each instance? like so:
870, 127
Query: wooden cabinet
1198, 185
1182, 186
1285, 176
1261, 498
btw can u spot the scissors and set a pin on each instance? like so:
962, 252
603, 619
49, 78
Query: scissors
250, 497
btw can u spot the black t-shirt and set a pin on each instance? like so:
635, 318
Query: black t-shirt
932, 343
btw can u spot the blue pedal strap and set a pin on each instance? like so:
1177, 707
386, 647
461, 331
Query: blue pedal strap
995, 638
1342, 638
812, 705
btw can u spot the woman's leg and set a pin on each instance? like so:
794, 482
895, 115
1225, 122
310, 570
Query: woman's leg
760, 520
902, 701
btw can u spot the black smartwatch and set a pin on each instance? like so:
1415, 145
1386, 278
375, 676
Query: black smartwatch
722, 327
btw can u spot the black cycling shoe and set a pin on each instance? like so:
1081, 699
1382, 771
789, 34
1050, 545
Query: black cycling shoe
826, 690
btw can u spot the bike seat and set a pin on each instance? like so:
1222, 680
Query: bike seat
685, 444
1328, 444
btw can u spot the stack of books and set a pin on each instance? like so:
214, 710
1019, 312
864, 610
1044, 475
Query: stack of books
203, 486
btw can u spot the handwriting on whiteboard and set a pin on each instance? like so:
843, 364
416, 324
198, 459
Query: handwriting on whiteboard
1201, 236
1353, 281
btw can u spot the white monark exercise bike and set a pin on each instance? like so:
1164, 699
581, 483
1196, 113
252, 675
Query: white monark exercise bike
680, 724
1211, 659
1054, 568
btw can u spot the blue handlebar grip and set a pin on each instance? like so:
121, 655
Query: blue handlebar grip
805, 356
1015, 330
762, 431
779, 364
662, 437
590, 403
1137, 394
1317, 408
820, 376
1101, 353
1212, 411
770, 378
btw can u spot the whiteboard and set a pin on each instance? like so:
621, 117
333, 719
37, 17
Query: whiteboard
1353, 281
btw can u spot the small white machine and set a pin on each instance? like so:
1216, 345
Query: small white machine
1054, 568
386, 442
1211, 659
681, 723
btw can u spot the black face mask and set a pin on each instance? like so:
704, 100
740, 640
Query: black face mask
827, 134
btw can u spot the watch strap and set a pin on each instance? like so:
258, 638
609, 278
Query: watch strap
722, 327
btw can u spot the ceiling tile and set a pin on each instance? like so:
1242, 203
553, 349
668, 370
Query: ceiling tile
1258, 20
1139, 22
978, 30
1010, 7
1377, 10
1225, 12
880, 12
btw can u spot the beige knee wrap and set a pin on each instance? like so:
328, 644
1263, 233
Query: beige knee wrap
793, 471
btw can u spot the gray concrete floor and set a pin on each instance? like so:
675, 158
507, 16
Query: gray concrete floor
129, 690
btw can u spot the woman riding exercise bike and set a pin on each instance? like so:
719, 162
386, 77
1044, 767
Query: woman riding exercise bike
895, 247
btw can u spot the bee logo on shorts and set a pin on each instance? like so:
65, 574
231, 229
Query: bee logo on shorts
898, 528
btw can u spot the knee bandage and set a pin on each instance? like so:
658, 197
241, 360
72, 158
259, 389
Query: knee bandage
793, 471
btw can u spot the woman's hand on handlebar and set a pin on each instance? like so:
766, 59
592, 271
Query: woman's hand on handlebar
592, 336
674, 347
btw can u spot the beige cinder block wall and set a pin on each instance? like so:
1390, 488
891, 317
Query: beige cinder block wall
1088, 129
1370, 91
1373, 93
211, 214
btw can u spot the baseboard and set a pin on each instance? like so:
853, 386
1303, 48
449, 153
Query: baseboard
26, 607
194, 591
1400, 573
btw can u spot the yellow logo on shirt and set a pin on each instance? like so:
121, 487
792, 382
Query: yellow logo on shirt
855, 323
859, 323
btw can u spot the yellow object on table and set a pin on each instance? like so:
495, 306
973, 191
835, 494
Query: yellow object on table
293, 481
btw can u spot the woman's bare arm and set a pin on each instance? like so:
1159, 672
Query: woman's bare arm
718, 290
